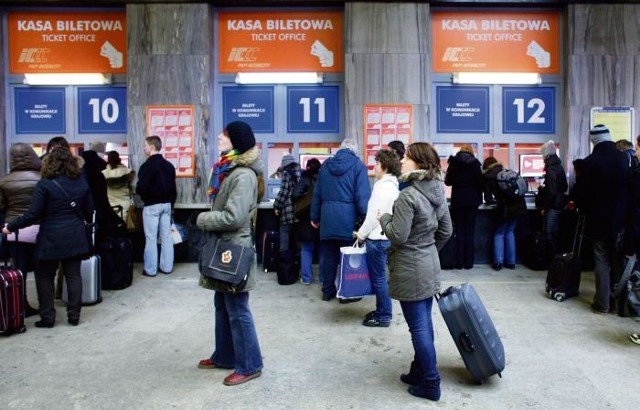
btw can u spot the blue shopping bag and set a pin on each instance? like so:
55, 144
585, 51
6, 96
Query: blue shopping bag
352, 280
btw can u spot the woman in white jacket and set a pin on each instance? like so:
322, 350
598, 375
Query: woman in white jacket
385, 192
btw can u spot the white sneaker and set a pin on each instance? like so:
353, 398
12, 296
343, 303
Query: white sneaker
635, 338
304, 283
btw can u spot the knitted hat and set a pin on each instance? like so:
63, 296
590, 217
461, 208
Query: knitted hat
241, 136
287, 160
98, 146
548, 148
599, 133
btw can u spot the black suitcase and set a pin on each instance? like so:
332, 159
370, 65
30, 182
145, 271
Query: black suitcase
270, 250
116, 259
538, 252
288, 267
473, 331
563, 277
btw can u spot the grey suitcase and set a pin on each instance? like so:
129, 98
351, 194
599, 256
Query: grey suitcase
473, 331
91, 282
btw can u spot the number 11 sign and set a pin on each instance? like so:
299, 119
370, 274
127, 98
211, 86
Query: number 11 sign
313, 109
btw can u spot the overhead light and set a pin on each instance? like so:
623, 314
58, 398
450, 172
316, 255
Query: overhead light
67, 79
497, 78
279, 78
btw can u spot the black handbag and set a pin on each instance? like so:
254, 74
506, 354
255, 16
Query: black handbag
226, 262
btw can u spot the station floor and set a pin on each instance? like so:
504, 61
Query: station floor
138, 349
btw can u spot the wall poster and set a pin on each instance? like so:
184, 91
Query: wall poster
384, 123
619, 120
174, 124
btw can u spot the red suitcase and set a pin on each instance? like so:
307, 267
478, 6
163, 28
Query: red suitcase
11, 301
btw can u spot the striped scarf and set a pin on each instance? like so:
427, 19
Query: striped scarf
219, 172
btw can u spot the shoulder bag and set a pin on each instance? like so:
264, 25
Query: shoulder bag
226, 262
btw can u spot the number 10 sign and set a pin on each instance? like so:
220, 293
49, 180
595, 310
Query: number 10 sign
313, 109
528, 110
102, 110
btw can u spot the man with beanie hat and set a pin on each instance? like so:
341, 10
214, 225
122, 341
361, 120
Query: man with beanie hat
551, 197
605, 204
283, 207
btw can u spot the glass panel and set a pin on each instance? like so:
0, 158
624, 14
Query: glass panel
445, 151
531, 163
319, 150
275, 152
498, 151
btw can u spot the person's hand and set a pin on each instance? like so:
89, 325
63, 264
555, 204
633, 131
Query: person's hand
316, 225
542, 212
378, 215
5, 230
275, 211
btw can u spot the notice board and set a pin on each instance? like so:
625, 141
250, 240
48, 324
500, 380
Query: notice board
174, 124
384, 123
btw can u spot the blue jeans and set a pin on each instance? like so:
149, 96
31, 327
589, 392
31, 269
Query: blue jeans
504, 242
329, 261
377, 263
236, 344
552, 226
157, 224
418, 317
306, 262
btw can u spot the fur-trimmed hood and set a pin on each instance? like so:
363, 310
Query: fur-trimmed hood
250, 159
419, 175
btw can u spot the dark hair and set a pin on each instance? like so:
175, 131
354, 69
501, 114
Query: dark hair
155, 141
113, 159
424, 155
488, 162
58, 141
313, 165
60, 161
638, 140
624, 145
389, 161
398, 147
578, 165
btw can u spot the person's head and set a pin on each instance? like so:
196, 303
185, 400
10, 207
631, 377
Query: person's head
350, 144
387, 162
624, 145
313, 165
547, 149
57, 142
287, 160
23, 157
398, 147
489, 162
599, 133
578, 166
237, 135
420, 155
113, 159
466, 148
98, 146
152, 145
60, 161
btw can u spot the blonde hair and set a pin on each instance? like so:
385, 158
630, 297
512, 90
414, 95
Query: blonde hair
466, 148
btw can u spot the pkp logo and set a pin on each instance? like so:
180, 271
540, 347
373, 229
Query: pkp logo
457, 54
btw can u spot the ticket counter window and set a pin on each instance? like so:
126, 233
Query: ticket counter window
498, 151
320, 151
41, 148
275, 152
447, 150
531, 163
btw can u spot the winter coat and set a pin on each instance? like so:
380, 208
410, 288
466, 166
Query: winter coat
604, 182
231, 214
419, 227
464, 175
304, 231
384, 194
552, 195
16, 189
506, 208
62, 233
119, 189
283, 203
157, 181
340, 196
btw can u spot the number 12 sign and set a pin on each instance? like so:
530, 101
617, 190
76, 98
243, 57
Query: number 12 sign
102, 110
528, 110
313, 109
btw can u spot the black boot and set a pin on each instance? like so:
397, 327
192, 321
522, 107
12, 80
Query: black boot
30, 311
427, 390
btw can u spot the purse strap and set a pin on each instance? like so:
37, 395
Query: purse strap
72, 203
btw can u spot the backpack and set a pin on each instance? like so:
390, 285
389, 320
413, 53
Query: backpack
511, 184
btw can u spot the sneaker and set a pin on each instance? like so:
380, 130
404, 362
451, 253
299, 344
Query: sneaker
635, 338
346, 301
144, 273
305, 282
374, 322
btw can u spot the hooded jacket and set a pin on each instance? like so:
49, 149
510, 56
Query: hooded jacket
232, 210
340, 196
418, 229
464, 175
16, 189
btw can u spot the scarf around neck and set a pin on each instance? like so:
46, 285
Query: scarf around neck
219, 172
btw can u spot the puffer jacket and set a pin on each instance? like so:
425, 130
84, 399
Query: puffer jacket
419, 227
464, 175
16, 189
231, 214
341, 195
119, 187
553, 194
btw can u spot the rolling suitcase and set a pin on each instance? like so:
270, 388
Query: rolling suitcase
563, 277
11, 301
116, 262
288, 267
473, 331
91, 282
270, 250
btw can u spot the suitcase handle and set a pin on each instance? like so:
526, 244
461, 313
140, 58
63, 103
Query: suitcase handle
466, 342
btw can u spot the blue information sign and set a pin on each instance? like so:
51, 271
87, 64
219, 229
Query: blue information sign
313, 109
528, 110
40, 110
102, 110
462, 110
253, 105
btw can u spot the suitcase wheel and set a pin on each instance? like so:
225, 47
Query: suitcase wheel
559, 297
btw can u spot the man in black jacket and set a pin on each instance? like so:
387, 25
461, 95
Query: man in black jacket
157, 188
